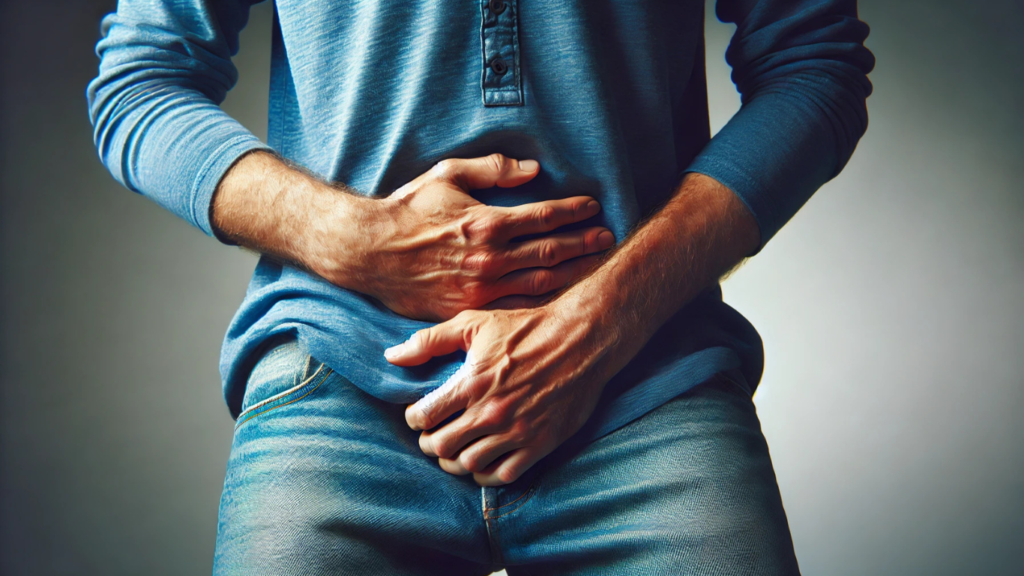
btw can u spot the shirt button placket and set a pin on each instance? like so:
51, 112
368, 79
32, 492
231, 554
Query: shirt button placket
499, 36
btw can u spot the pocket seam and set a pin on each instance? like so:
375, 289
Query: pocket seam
248, 413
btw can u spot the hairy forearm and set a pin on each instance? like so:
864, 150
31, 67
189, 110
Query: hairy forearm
264, 204
427, 251
700, 234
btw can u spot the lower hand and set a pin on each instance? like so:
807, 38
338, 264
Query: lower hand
532, 378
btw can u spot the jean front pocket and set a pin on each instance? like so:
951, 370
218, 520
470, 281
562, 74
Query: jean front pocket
284, 375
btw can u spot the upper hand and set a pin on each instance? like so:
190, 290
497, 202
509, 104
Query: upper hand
437, 251
532, 378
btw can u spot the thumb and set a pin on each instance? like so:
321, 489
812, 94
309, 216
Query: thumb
487, 171
438, 340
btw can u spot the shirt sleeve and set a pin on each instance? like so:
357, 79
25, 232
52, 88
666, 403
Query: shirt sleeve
801, 68
165, 66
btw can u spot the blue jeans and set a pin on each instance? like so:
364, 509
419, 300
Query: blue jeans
325, 479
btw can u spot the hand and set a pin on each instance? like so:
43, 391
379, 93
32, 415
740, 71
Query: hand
437, 251
532, 378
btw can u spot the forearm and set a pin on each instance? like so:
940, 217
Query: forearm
427, 251
266, 205
701, 233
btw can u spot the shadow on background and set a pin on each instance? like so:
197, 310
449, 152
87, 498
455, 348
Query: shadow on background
891, 309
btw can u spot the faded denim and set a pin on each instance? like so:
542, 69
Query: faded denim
326, 479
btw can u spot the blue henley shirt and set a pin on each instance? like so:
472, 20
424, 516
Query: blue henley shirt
610, 97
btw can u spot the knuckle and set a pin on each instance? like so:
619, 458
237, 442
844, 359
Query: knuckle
470, 462
492, 262
491, 415
423, 339
425, 443
474, 292
508, 475
485, 227
497, 161
481, 261
490, 226
443, 448
519, 433
546, 215
548, 253
541, 282
416, 419
444, 169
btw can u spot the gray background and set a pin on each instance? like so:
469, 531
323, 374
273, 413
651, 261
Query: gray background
891, 309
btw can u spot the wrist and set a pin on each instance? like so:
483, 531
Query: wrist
338, 243
591, 311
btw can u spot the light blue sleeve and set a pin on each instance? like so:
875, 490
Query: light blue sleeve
801, 68
165, 65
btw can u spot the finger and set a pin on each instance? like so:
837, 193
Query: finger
509, 468
443, 401
557, 248
482, 453
537, 281
452, 466
446, 441
478, 421
438, 340
538, 217
486, 171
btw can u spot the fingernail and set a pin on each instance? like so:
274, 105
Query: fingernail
394, 351
605, 239
528, 165
593, 207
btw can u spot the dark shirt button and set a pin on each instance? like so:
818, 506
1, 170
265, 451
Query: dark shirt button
499, 66
496, 6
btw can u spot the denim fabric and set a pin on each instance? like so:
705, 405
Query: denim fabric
326, 479
609, 96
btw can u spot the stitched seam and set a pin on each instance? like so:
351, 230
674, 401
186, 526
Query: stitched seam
531, 492
521, 496
495, 547
515, 49
329, 372
483, 55
497, 558
280, 395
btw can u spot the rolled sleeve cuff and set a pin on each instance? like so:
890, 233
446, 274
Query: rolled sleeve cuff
745, 187
211, 173
774, 153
